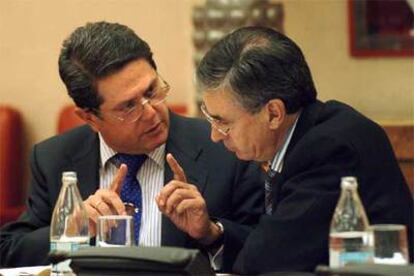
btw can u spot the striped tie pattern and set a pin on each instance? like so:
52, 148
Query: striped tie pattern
268, 191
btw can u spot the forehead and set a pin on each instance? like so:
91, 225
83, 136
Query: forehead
222, 104
133, 79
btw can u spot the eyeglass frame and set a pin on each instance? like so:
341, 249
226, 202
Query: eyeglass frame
214, 122
143, 102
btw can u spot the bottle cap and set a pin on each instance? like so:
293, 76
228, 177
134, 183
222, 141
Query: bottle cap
69, 176
348, 182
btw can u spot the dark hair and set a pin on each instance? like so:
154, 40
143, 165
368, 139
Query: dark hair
94, 51
258, 64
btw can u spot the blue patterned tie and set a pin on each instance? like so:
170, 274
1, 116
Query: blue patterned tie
131, 189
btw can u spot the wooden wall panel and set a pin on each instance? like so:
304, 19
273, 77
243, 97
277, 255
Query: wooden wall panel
402, 140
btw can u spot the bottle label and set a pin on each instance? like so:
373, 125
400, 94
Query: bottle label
350, 247
354, 257
340, 259
66, 246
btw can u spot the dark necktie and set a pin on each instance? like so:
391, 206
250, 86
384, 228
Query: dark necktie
131, 189
268, 191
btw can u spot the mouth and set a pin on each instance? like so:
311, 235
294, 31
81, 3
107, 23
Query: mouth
154, 129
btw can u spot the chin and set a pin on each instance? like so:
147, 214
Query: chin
159, 139
242, 156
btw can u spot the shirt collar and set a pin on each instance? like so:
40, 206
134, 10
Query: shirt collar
107, 153
277, 162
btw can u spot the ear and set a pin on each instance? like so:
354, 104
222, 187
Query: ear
88, 117
276, 113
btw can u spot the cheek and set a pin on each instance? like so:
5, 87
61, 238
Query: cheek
241, 141
251, 140
120, 135
162, 110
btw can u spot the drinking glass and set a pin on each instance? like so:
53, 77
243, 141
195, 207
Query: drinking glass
390, 244
115, 231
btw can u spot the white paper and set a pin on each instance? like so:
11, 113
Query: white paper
23, 271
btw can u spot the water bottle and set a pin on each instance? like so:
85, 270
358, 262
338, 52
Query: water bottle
69, 227
350, 240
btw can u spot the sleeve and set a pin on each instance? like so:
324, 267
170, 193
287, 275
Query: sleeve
248, 206
26, 241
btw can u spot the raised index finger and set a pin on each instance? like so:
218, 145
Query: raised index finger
116, 184
176, 168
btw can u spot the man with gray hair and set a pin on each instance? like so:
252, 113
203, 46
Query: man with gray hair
259, 96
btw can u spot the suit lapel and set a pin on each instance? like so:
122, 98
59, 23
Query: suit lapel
187, 152
307, 119
195, 173
86, 164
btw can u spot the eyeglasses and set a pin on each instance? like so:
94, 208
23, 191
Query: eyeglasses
134, 109
216, 124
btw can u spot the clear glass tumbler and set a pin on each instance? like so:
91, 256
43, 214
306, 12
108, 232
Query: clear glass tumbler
115, 231
390, 244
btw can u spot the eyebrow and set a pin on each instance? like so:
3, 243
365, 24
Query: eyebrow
133, 98
215, 117
152, 84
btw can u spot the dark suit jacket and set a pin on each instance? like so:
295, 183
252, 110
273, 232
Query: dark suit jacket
232, 189
331, 140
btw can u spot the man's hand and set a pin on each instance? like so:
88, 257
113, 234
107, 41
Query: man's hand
106, 201
183, 204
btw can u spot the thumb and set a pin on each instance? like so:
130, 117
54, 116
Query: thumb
179, 173
116, 184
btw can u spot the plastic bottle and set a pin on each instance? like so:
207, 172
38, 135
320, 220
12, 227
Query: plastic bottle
350, 240
69, 227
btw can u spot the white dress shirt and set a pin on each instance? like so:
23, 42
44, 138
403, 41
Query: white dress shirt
277, 161
151, 178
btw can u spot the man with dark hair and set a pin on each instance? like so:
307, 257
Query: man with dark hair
110, 74
261, 102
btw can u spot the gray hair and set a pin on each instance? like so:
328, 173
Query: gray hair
256, 65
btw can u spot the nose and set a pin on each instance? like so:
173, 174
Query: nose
216, 136
149, 111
